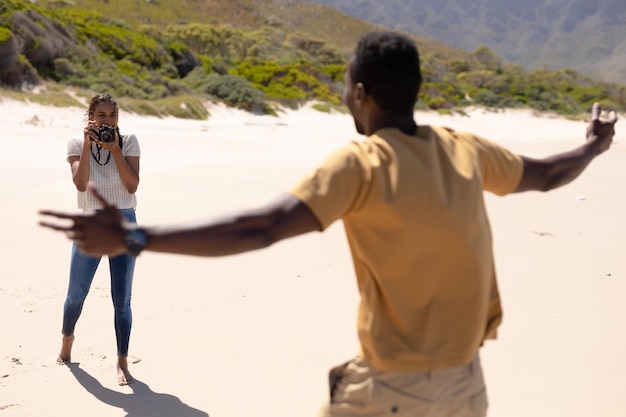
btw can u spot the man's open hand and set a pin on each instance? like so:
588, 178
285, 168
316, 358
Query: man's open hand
98, 233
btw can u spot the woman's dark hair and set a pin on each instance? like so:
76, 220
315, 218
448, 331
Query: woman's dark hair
388, 66
98, 99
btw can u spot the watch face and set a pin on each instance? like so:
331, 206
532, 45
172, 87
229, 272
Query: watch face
136, 240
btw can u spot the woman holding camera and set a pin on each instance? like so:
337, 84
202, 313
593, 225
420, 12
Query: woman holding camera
111, 162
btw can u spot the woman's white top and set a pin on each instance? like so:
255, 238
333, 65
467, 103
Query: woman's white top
106, 177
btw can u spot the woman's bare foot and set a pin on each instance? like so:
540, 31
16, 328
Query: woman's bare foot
123, 375
65, 355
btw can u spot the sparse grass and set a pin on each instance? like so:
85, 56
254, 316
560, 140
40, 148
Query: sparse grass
185, 107
182, 107
323, 108
330, 108
45, 96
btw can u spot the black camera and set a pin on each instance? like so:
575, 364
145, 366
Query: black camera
106, 134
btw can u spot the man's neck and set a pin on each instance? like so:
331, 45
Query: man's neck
375, 118
405, 125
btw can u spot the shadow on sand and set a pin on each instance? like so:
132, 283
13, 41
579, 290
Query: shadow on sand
143, 402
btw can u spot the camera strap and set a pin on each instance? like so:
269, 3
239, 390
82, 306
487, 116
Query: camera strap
97, 156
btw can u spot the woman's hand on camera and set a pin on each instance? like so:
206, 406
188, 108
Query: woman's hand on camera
91, 132
112, 145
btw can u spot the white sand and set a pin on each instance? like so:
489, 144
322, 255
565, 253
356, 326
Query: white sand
254, 335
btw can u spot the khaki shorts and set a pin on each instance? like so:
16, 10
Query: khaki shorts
356, 389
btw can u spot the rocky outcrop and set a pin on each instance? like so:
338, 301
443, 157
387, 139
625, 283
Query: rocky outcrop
43, 40
36, 47
15, 70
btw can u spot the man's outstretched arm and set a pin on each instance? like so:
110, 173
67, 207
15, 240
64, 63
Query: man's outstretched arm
560, 169
284, 217
104, 231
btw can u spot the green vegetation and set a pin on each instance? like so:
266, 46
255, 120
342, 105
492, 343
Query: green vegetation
166, 59
235, 91
293, 82
5, 35
484, 81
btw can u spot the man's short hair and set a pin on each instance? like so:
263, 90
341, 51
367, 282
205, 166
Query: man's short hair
388, 66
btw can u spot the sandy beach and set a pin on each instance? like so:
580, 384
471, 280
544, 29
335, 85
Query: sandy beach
255, 334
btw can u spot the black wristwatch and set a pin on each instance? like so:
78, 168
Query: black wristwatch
135, 240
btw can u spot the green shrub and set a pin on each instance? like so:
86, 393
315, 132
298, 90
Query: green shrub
114, 37
323, 108
64, 68
334, 72
9, 6
287, 82
235, 91
5, 35
486, 98
435, 103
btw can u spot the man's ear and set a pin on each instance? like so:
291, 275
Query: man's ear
359, 92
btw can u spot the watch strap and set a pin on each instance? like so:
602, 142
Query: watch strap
135, 240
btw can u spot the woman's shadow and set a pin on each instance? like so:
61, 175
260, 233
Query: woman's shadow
143, 402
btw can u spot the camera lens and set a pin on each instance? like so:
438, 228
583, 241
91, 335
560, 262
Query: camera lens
106, 134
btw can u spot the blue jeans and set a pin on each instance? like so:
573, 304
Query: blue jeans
82, 271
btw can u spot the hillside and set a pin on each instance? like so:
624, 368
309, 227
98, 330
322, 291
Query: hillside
585, 35
170, 57
310, 19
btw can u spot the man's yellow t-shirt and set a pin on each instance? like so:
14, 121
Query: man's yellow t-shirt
415, 219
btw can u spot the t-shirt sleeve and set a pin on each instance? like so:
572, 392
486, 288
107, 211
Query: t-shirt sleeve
502, 169
74, 147
332, 190
131, 146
